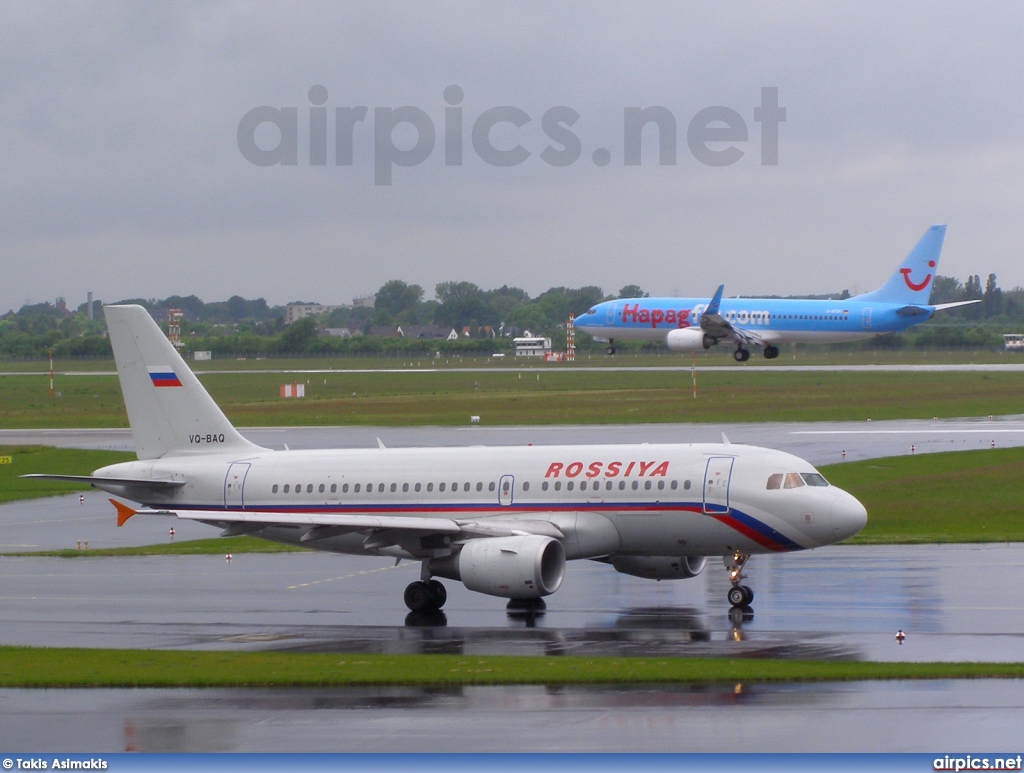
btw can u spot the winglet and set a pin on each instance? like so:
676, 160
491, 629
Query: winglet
715, 302
123, 512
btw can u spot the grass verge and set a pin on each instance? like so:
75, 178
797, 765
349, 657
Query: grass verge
54, 668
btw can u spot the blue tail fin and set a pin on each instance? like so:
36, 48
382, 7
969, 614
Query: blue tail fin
912, 282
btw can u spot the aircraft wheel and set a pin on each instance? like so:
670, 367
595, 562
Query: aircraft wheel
418, 596
610, 350
438, 594
771, 352
736, 596
750, 594
741, 355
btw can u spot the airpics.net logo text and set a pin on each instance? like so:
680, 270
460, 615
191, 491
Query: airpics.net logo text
715, 136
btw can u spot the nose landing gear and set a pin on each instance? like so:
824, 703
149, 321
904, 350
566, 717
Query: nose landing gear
740, 596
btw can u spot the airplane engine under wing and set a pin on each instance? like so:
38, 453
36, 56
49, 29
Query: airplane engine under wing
688, 339
660, 567
526, 567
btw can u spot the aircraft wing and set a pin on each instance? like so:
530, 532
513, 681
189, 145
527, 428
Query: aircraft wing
716, 326
381, 530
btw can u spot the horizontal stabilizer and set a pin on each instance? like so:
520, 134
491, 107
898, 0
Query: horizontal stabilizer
941, 306
150, 483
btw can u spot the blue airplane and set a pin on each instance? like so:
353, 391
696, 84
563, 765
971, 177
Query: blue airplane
695, 324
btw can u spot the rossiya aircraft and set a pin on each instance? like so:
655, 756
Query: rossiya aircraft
695, 324
502, 520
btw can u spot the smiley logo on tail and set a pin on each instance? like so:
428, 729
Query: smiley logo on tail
917, 287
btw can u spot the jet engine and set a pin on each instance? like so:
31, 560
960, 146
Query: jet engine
660, 567
526, 567
689, 339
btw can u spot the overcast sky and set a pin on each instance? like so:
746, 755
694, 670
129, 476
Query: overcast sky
124, 171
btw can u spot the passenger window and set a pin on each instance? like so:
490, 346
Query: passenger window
636, 485
526, 486
465, 487
309, 488
686, 485
274, 489
334, 488
793, 480
774, 481
394, 487
356, 488
622, 485
490, 486
440, 487
558, 485
479, 486
661, 485
405, 487
544, 486
417, 488
286, 488
674, 485
322, 488
570, 486
608, 485
583, 485
344, 488
380, 487
430, 487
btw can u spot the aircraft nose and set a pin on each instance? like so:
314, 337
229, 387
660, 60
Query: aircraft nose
848, 515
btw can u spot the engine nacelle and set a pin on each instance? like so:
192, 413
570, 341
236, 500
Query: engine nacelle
526, 567
689, 339
660, 567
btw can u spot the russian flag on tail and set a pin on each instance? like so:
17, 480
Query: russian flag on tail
163, 376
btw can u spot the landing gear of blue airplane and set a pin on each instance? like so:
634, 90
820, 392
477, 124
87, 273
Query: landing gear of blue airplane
422, 596
741, 355
740, 596
611, 346
771, 352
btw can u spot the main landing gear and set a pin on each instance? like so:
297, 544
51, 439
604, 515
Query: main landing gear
741, 354
611, 346
771, 352
425, 596
740, 596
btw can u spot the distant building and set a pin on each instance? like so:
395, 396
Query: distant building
1013, 342
427, 331
532, 346
363, 303
297, 311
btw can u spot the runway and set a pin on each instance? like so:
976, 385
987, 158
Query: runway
954, 603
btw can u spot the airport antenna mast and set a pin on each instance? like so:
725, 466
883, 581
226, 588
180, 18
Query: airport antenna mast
174, 327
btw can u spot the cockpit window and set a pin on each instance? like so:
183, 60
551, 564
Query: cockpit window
793, 480
592, 311
774, 481
814, 479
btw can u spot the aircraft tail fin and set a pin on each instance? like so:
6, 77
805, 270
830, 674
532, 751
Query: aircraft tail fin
912, 281
169, 411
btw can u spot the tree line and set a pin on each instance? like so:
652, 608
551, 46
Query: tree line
485, 321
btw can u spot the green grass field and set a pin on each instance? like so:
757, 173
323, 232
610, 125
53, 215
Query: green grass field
540, 395
54, 668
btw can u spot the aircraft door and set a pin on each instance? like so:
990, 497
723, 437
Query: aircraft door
610, 318
505, 487
716, 484
234, 483
865, 318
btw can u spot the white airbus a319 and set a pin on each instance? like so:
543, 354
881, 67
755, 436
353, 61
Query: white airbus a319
501, 520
